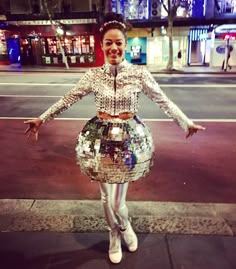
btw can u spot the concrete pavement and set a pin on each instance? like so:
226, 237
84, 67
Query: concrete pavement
89, 250
39, 234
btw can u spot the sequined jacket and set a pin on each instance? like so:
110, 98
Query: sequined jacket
116, 89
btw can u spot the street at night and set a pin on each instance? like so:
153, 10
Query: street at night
64, 198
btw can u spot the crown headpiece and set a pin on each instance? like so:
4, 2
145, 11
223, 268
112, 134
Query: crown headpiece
112, 22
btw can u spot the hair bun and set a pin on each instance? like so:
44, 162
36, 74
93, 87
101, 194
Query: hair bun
113, 17
114, 21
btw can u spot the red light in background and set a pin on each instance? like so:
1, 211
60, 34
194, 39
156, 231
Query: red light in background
229, 36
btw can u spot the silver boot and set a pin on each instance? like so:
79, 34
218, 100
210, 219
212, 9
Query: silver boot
115, 252
130, 238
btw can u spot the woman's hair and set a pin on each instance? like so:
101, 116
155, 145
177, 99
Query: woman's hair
113, 21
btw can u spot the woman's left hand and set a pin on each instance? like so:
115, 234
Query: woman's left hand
193, 129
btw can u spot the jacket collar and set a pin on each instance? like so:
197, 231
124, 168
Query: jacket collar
115, 69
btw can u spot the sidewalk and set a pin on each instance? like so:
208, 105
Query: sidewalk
90, 250
153, 69
56, 234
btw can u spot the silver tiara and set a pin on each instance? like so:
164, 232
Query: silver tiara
111, 22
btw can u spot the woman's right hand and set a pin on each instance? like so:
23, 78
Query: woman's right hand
33, 128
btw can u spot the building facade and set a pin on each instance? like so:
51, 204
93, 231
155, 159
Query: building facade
193, 33
36, 32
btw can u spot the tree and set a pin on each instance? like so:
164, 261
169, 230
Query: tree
171, 7
45, 5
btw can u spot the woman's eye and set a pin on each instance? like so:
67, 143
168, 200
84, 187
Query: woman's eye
118, 43
108, 43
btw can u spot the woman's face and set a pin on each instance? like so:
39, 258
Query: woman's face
113, 46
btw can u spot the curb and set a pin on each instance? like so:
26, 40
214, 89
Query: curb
87, 216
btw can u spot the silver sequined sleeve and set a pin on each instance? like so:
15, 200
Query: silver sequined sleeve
82, 88
154, 92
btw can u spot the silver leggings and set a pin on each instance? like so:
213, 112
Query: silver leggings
113, 197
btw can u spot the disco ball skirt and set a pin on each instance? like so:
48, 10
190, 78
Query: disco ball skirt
115, 150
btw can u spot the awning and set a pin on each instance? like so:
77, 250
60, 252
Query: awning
225, 29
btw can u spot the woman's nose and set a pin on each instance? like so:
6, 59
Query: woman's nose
114, 46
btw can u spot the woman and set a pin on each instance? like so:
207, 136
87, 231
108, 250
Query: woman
115, 147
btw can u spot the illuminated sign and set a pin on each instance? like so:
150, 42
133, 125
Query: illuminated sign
198, 34
47, 22
221, 49
226, 28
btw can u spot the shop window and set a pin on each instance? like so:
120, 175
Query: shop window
78, 49
51, 46
135, 53
67, 44
187, 9
3, 44
134, 10
226, 6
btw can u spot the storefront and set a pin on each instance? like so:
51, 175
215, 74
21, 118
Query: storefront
199, 45
151, 46
158, 50
40, 45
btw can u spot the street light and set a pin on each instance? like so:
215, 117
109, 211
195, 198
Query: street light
60, 31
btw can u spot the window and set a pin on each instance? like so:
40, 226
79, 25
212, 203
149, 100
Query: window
3, 44
78, 49
134, 9
226, 6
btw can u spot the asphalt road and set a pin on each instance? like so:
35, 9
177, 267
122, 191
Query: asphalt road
200, 169
200, 97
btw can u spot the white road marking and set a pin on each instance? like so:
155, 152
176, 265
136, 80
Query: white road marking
36, 84
152, 120
161, 85
72, 85
198, 85
30, 96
